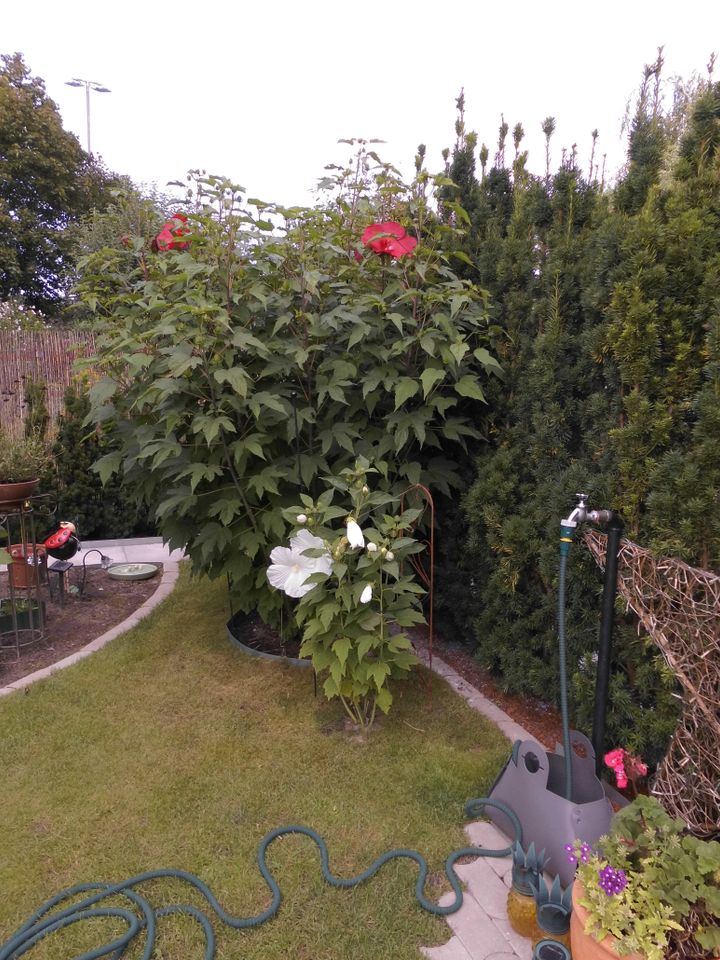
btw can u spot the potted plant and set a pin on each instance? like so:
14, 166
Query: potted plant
29, 614
650, 890
22, 460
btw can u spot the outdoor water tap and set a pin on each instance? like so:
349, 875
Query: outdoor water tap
601, 516
580, 513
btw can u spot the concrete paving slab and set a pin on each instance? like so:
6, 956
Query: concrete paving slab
473, 926
452, 950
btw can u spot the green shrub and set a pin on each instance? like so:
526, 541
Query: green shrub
276, 348
100, 512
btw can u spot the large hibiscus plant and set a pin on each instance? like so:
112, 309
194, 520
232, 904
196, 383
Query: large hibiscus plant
271, 346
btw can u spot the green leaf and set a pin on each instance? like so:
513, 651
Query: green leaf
341, 648
458, 350
384, 699
102, 391
236, 377
487, 359
108, 465
468, 386
429, 377
406, 388
462, 256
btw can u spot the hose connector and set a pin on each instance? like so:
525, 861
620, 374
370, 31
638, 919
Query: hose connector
568, 526
567, 535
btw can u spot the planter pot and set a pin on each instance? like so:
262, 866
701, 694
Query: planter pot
13, 495
585, 947
28, 565
26, 619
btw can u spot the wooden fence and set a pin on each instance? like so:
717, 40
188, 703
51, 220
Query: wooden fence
46, 355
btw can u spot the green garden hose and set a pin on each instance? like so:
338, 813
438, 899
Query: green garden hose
562, 656
46, 920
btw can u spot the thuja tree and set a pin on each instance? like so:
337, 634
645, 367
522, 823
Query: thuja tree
99, 512
252, 359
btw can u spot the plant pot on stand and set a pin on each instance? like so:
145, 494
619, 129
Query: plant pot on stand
13, 495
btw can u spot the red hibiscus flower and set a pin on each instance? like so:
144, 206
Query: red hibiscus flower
389, 237
169, 236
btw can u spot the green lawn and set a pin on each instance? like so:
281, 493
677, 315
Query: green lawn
170, 748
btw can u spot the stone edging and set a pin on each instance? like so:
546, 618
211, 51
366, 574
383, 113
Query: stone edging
478, 701
164, 589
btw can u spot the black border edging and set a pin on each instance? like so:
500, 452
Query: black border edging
275, 658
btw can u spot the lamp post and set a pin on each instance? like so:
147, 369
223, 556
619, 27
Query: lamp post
89, 85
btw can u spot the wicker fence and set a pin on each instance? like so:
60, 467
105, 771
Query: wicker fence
679, 607
48, 356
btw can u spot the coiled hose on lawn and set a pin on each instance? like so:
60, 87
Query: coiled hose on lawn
47, 920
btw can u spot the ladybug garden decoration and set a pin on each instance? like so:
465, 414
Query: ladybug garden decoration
64, 543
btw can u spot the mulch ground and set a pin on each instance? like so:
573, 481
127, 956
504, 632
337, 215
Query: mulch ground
104, 603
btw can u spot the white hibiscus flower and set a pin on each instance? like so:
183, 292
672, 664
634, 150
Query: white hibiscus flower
290, 568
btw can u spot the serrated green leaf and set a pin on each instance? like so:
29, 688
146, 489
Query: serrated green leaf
406, 388
384, 699
102, 391
429, 377
486, 359
458, 350
468, 386
341, 649
236, 377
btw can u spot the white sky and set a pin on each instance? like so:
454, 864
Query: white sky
261, 92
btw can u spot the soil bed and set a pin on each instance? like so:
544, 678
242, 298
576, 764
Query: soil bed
250, 630
105, 602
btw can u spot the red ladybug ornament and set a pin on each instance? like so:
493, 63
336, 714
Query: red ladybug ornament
63, 544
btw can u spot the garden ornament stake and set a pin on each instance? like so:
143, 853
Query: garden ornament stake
105, 563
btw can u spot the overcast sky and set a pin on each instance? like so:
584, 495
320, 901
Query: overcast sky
261, 92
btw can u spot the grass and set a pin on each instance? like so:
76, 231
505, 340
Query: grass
170, 748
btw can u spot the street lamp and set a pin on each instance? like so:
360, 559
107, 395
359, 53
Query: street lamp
89, 85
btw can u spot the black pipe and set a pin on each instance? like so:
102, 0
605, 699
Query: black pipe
602, 682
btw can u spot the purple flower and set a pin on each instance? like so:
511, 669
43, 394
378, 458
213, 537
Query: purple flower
612, 881
572, 855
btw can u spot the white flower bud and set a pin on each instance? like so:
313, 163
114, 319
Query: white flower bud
301, 518
366, 595
389, 555
366, 489
354, 534
371, 547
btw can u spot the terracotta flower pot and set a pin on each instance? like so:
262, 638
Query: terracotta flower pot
14, 494
583, 945
27, 568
